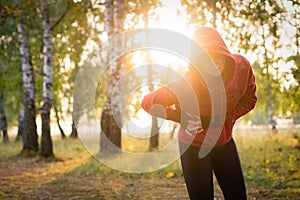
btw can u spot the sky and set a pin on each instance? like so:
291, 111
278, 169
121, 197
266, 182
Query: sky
170, 20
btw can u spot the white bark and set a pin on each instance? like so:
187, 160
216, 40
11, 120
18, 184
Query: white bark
106, 115
109, 17
116, 68
113, 19
47, 51
27, 69
46, 145
119, 15
114, 9
154, 134
30, 142
109, 28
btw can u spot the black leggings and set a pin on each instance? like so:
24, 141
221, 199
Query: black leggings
225, 163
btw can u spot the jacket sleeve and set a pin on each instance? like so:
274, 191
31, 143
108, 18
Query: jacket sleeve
247, 101
160, 103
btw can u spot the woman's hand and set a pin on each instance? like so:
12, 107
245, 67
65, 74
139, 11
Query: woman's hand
194, 125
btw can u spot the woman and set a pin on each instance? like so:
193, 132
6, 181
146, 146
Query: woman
223, 159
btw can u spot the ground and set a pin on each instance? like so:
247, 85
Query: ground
271, 167
80, 176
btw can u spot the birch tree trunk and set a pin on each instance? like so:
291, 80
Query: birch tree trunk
62, 133
30, 137
106, 112
74, 133
154, 134
3, 124
20, 125
46, 144
115, 72
114, 20
214, 13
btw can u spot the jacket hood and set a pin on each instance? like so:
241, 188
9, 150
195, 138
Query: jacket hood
211, 41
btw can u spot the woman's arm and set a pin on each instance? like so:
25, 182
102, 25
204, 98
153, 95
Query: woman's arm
247, 101
160, 103
169, 103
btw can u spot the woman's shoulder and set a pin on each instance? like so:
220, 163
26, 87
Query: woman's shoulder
240, 58
242, 63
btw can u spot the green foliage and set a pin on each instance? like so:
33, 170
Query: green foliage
139, 7
271, 164
293, 93
198, 10
70, 33
261, 82
266, 20
10, 64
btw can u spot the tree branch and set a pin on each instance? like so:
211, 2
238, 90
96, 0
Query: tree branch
61, 18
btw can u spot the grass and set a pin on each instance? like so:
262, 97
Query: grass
270, 162
271, 165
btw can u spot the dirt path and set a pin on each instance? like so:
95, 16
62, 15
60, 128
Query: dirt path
31, 178
80, 178
74, 174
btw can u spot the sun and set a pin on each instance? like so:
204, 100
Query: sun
170, 18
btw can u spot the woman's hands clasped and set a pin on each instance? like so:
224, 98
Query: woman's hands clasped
194, 125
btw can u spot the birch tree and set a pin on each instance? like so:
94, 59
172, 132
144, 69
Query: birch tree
154, 134
106, 115
3, 122
113, 21
64, 14
62, 133
17, 80
114, 16
30, 137
46, 143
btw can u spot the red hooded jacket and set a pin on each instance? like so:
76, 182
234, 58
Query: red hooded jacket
239, 84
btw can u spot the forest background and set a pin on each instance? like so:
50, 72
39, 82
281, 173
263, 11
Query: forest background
44, 44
